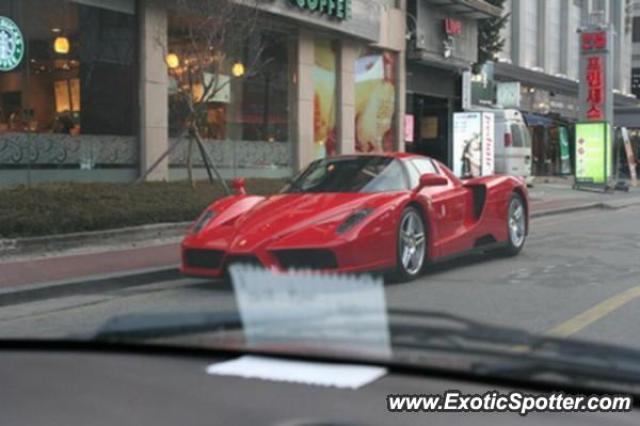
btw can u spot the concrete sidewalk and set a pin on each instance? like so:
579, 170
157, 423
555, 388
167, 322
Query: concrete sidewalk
559, 197
546, 199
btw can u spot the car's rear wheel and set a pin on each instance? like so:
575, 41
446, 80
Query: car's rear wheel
516, 225
412, 246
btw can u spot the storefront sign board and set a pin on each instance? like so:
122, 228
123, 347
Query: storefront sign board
593, 152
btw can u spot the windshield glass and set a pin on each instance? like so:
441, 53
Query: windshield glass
356, 174
148, 148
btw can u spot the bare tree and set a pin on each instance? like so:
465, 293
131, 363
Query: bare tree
211, 43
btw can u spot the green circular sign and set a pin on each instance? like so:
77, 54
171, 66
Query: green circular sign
11, 44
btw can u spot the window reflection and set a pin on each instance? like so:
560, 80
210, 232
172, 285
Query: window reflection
242, 107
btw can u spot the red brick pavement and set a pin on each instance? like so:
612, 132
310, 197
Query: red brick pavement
82, 265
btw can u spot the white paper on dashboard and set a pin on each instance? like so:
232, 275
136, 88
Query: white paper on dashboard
347, 376
328, 312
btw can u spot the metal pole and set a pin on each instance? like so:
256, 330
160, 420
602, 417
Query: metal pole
206, 157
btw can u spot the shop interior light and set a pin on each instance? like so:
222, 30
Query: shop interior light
61, 45
238, 69
56, 30
173, 61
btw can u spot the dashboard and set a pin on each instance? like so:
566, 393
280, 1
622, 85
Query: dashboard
119, 388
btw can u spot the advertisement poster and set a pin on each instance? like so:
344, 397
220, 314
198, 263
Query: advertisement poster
375, 101
593, 151
409, 127
324, 99
565, 159
467, 133
473, 144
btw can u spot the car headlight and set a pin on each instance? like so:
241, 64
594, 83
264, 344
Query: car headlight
353, 219
202, 221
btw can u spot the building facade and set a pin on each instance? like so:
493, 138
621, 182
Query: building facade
92, 96
442, 45
542, 53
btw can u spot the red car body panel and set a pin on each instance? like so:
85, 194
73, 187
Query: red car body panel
458, 217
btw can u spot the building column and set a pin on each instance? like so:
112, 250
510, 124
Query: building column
154, 82
346, 136
401, 100
304, 101
543, 37
565, 37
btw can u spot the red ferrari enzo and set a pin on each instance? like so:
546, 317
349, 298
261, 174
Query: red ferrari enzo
353, 213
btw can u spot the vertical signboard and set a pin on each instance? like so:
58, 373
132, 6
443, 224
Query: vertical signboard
325, 97
631, 158
565, 158
488, 144
473, 144
375, 101
409, 127
635, 82
596, 65
483, 86
593, 152
593, 134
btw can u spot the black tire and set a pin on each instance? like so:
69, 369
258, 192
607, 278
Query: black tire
403, 272
515, 240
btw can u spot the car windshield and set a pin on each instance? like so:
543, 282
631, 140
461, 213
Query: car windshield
329, 179
351, 174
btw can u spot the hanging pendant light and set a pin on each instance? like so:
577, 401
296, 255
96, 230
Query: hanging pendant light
238, 69
173, 61
61, 45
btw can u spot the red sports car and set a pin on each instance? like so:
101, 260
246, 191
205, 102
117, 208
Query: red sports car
390, 212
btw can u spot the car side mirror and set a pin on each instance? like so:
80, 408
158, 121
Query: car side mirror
432, 179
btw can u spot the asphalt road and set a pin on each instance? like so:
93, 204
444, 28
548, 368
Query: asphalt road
578, 276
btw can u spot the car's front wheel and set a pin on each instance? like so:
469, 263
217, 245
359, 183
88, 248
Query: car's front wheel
412, 246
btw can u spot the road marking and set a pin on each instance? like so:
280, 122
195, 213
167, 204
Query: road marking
588, 317
593, 314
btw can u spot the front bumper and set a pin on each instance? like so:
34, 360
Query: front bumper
338, 258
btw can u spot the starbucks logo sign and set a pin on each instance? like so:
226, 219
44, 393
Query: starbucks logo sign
11, 44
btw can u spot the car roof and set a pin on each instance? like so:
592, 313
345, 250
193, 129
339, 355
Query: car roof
400, 155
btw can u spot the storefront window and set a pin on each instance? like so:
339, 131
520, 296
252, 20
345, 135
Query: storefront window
73, 91
76, 55
325, 99
375, 101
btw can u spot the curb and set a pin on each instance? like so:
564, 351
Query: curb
37, 245
588, 206
18, 294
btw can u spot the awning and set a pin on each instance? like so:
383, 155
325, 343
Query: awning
538, 120
475, 9
627, 117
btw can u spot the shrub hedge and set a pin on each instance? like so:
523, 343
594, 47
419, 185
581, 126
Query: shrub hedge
46, 209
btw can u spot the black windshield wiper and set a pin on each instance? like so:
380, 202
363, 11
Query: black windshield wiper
521, 354
500, 351
149, 326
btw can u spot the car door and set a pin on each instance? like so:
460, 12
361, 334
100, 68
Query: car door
448, 207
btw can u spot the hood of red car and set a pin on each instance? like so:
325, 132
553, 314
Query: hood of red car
281, 215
